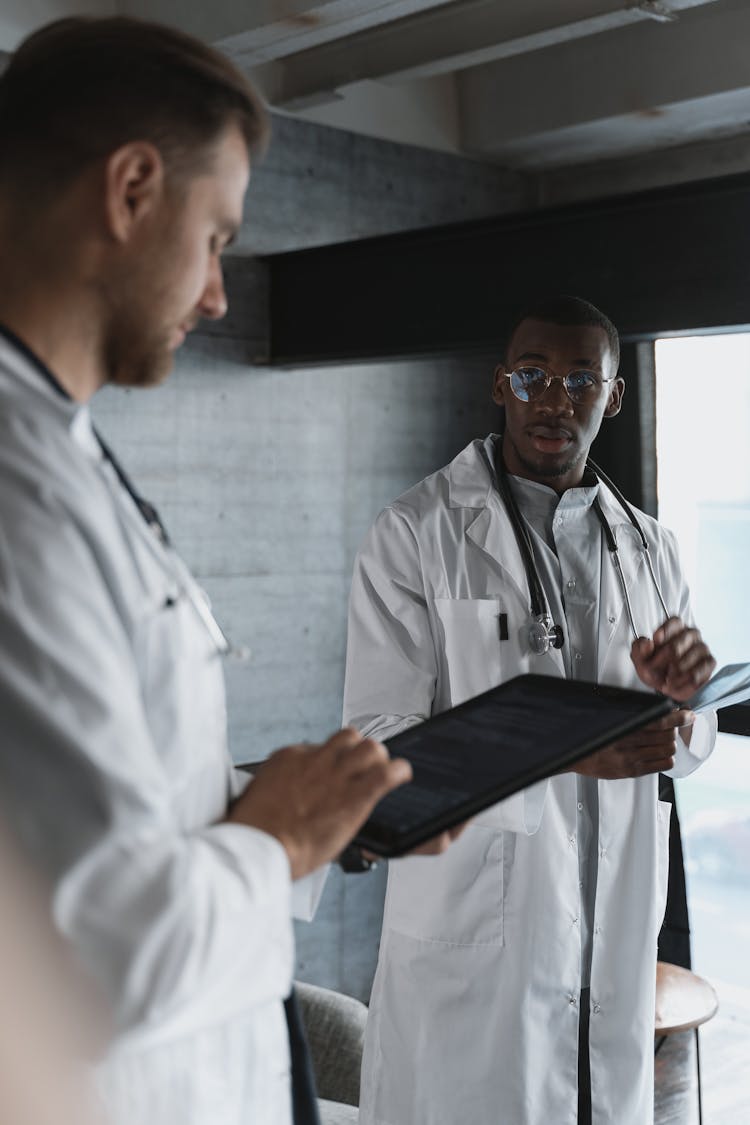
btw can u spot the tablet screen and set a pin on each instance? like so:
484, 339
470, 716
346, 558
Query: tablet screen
466, 759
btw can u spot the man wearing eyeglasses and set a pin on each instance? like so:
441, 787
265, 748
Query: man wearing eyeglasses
515, 982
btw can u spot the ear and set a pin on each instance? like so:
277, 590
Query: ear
616, 394
134, 187
499, 385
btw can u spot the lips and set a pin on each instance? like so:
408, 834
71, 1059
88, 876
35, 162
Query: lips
550, 439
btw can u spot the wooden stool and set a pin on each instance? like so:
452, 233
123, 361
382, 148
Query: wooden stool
683, 1002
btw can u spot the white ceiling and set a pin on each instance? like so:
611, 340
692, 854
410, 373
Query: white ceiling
534, 85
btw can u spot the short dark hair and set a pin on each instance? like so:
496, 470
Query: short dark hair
79, 88
568, 311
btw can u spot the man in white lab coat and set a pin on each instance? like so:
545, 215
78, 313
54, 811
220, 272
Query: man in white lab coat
515, 983
126, 155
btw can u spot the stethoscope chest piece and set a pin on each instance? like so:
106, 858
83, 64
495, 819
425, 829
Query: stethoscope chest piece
543, 634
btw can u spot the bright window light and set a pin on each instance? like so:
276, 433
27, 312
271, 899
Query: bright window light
703, 448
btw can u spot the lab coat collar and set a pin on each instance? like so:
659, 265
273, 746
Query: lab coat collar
20, 373
616, 517
470, 484
613, 615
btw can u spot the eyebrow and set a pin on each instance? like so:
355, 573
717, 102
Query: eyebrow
534, 355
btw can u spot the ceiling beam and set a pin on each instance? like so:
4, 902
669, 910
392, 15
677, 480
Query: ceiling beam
451, 37
702, 160
619, 85
271, 29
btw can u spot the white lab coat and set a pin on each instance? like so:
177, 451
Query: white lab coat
114, 773
474, 1011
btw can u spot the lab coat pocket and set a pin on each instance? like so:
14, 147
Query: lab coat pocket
455, 898
663, 818
183, 693
472, 633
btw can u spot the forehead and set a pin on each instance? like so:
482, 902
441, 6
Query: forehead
570, 345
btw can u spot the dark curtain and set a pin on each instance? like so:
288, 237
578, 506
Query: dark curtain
674, 939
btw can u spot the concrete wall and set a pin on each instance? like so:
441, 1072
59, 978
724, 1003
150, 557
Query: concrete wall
269, 478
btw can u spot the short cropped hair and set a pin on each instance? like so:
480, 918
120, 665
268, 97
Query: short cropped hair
568, 312
79, 88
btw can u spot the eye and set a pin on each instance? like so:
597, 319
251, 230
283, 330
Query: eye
528, 382
582, 381
530, 376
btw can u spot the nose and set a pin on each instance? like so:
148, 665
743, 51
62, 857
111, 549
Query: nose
555, 400
213, 303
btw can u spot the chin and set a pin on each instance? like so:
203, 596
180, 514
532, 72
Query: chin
557, 470
143, 371
552, 469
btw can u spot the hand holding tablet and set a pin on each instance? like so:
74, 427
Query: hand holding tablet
489, 747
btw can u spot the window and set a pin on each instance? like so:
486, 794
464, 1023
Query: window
703, 449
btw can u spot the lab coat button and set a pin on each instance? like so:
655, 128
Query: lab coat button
602, 853
571, 583
579, 656
611, 618
597, 1008
580, 806
572, 1001
571, 841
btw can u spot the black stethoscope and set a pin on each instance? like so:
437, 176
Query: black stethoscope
193, 594
543, 634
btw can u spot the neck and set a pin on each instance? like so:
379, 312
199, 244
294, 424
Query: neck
44, 300
58, 337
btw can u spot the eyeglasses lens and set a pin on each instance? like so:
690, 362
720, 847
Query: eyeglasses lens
530, 383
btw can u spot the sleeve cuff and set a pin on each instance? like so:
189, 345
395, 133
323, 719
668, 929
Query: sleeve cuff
307, 893
702, 742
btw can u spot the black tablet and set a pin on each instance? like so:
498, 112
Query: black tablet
474, 755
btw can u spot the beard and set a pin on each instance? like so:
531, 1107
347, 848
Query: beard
133, 358
139, 368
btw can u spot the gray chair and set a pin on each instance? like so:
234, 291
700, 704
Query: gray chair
335, 1027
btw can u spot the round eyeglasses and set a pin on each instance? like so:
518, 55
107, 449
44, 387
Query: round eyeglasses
530, 383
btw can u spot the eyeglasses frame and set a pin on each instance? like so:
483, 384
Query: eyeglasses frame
550, 379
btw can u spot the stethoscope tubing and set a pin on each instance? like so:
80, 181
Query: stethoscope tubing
540, 610
614, 549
